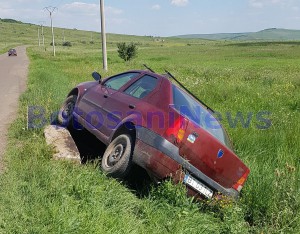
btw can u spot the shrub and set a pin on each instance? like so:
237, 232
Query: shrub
67, 43
127, 52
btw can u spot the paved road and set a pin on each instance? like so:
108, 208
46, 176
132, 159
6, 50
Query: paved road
13, 75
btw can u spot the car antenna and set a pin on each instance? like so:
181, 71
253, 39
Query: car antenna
149, 68
173, 77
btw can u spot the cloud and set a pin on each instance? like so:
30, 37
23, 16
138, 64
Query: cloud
80, 7
113, 11
118, 21
256, 3
156, 7
264, 3
89, 8
179, 2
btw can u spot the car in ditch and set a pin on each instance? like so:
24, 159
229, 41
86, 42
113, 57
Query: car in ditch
12, 52
153, 121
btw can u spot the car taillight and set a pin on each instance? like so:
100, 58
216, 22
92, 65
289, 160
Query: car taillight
178, 129
180, 135
240, 183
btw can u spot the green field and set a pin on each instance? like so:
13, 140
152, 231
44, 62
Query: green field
40, 195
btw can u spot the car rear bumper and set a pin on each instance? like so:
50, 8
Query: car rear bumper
157, 142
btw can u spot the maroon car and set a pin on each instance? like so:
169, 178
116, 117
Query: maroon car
12, 52
145, 119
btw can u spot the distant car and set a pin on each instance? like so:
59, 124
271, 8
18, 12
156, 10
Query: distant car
147, 120
12, 52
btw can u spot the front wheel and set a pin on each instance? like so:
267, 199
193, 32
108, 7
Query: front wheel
116, 161
65, 114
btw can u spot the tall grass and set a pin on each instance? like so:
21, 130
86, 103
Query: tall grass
40, 195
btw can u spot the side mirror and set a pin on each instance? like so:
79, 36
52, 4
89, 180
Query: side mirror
96, 76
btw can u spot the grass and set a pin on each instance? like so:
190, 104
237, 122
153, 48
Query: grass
40, 195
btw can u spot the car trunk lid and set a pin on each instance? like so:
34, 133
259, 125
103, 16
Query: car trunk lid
213, 158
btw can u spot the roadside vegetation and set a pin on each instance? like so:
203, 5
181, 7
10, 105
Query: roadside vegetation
40, 195
127, 52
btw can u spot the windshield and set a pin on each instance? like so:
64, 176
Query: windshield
193, 110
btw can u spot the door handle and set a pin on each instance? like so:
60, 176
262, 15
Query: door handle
131, 106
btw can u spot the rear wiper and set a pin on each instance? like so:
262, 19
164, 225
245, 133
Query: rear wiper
182, 86
148, 68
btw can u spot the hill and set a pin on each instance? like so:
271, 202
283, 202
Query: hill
11, 21
14, 33
272, 34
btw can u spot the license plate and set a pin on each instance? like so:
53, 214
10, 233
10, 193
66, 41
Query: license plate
198, 186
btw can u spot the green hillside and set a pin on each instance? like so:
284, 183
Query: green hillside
272, 34
216, 36
14, 33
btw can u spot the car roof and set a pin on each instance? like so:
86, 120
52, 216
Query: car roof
166, 78
147, 72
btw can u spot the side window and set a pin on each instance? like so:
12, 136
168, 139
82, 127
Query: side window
118, 81
142, 87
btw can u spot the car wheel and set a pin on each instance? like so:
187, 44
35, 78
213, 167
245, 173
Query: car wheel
116, 161
65, 114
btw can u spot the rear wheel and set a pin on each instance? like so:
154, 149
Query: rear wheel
117, 159
65, 114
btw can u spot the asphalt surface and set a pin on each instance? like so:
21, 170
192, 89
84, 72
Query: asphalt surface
13, 76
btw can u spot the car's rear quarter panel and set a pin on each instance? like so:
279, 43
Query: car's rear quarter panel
155, 162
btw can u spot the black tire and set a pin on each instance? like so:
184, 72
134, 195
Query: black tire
65, 114
117, 158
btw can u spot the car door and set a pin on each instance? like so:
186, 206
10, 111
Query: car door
92, 103
130, 101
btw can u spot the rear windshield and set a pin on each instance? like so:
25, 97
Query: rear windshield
193, 110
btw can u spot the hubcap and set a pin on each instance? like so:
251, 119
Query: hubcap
115, 155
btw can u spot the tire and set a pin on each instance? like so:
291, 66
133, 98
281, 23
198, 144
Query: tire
65, 114
117, 158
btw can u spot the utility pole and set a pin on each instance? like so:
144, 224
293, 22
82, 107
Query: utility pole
51, 9
103, 33
64, 36
39, 36
43, 35
43, 38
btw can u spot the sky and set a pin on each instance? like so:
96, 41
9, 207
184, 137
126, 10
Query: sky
159, 17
